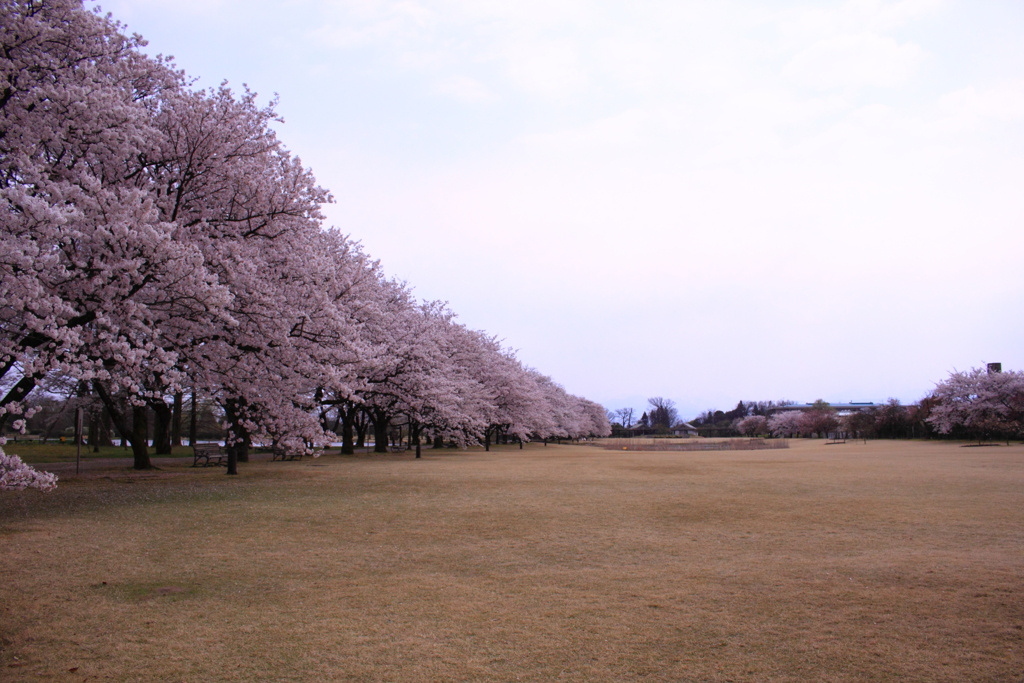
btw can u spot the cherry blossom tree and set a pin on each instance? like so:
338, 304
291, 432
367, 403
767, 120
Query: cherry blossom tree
89, 270
753, 425
820, 419
77, 242
252, 210
599, 426
517, 406
566, 416
787, 423
980, 403
473, 376
158, 238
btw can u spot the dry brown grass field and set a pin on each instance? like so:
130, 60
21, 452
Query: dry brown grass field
890, 561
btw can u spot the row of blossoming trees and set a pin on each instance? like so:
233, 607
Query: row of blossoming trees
158, 239
977, 404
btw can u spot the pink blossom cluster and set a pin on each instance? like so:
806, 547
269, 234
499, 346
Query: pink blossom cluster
753, 425
793, 423
787, 423
17, 476
159, 239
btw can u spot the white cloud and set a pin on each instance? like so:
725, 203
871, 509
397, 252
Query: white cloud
852, 17
885, 15
550, 68
853, 61
970, 107
465, 89
624, 130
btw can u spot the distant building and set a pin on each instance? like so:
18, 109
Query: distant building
684, 429
841, 408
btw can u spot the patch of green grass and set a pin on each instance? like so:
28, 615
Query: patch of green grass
53, 451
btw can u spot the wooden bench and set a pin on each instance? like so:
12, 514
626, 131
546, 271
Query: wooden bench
283, 453
210, 453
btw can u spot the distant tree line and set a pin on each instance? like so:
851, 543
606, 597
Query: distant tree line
890, 420
979, 404
718, 423
660, 417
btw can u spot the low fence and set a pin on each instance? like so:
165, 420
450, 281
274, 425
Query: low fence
728, 445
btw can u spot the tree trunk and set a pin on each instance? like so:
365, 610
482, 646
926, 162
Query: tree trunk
438, 442
136, 435
238, 436
176, 421
162, 428
140, 438
318, 397
380, 432
94, 432
242, 447
360, 420
347, 417
347, 446
414, 436
105, 427
192, 422
487, 440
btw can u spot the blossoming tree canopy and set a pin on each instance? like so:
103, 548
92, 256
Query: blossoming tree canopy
979, 401
87, 265
158, 237
753, 425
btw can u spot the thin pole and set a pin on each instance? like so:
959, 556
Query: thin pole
192, 422
78, 440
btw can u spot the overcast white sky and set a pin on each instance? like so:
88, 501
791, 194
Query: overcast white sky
707, 201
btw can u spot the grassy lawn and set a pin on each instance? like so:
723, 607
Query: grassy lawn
879, 562
34, 452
